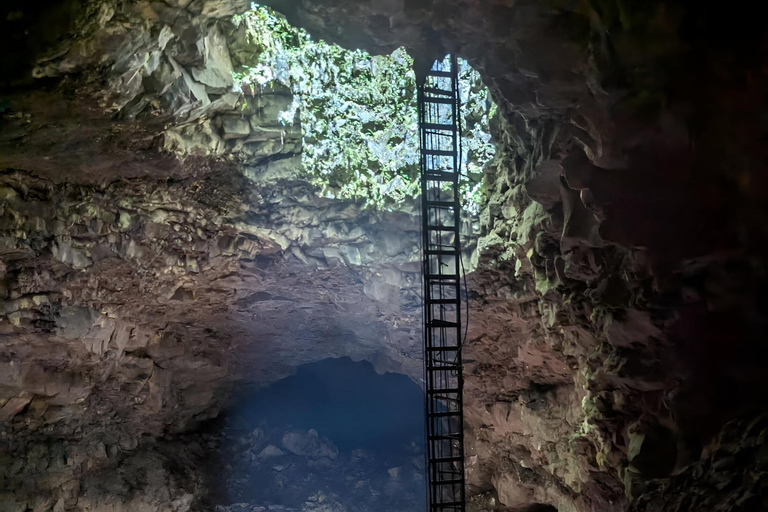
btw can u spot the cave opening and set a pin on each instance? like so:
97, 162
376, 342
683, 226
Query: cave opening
335, 431
350, 116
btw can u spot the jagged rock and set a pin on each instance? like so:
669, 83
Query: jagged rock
196, 88
321, 503
216, 73
309, 444
223, 8
13, 406
270, 451
195, 139
235, 127
271, 106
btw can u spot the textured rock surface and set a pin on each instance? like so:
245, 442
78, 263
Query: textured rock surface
130, 310
618, 310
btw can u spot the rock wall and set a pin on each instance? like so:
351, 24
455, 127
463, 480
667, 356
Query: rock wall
131, 311
132, 306
616, 344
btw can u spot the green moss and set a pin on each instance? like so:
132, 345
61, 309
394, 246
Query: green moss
357, 112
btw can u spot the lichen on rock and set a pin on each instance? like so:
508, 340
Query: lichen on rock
357, 112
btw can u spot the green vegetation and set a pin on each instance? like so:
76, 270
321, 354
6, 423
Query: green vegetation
357, 112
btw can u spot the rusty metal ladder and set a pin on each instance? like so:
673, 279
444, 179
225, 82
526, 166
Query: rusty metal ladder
439, 128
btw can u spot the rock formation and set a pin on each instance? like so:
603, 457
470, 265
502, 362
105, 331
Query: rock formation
157, 250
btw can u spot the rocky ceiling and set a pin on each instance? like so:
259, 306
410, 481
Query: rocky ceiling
157, 249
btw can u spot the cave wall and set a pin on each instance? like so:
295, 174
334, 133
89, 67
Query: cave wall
139, 288
616, 345
129, 312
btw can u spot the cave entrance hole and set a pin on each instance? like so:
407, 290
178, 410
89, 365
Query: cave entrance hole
356, 112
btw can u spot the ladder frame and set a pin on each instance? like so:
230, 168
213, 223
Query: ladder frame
440, 137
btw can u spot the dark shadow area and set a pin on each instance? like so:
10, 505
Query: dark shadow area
348, 402
335, 437
28, 29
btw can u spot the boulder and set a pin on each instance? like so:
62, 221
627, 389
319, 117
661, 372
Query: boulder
235, 127
309, 444
269, 452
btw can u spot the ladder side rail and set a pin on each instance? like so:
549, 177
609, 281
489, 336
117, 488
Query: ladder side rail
457, 243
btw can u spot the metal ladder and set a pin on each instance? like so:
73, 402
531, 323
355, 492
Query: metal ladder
439, 128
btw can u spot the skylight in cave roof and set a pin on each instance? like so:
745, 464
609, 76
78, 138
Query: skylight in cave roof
358, 112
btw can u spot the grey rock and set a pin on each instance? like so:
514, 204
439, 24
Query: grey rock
271, 106
224, 8
74, 322
197, 89
235, 127
270, 452
217, 71
309, 444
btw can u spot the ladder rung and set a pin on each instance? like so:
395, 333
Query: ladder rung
433, 72
438, 133
450, 248
447, 367
441, 101
440, 460
441, 253
436, 126
440, 204
444, 437
450, 287
434, 227
443, 301
447, 482
440, 174
440, 506
442, 349
447, 399
443, 92
440, 391
438, 152
441, 323
445, 414
443, 176
441, 277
